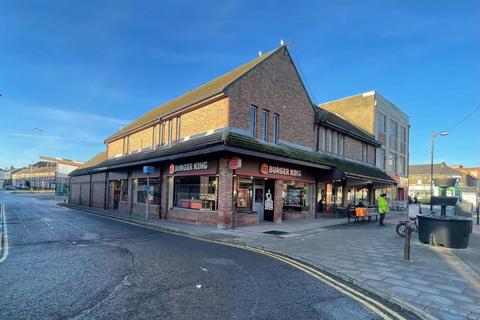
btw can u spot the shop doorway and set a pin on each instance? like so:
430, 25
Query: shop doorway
268, 200
115, 187
258, 196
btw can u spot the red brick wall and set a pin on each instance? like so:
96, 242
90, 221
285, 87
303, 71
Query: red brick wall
98, 190
193, 216
275, 86
225, 204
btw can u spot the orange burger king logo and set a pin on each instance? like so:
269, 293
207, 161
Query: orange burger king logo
264, 168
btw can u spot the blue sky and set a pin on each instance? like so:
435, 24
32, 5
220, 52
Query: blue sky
80, 69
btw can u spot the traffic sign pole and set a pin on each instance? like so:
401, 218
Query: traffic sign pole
148, 196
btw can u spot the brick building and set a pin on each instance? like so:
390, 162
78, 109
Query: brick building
250, 141
45, 174
467, 188
380, 117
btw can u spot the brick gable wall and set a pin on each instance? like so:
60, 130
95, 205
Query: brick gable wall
274, 85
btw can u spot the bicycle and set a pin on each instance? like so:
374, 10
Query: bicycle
402, 225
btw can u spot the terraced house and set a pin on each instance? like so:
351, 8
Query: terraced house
249, 145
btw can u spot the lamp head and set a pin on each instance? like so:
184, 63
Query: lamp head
443, 133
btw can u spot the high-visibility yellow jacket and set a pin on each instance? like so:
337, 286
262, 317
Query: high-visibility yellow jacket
382, 205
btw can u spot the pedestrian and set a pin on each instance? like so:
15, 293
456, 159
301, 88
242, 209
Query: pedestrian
415, 201
382, 207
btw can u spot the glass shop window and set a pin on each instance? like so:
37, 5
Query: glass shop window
197, 192
297, 196
243, 194
140, 187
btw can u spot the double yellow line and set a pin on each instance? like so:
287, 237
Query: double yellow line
374, 305
4, 234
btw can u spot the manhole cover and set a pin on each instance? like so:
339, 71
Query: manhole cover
276, 232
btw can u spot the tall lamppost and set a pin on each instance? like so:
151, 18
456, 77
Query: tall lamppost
434, 135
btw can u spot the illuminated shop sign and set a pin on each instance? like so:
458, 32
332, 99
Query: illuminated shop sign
281, 171
186, 167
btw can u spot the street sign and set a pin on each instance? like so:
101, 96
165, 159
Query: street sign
148, 169
235, 163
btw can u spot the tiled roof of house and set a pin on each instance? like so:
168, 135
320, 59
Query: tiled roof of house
333, 119
61, 160
203, 92
96, 160
438, 168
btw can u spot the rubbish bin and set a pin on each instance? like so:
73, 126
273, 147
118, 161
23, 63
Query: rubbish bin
450, 232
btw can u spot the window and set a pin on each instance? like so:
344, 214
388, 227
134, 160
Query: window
334, 142
393, 134
403, 134
170, 128
341, 142
264, 125
329, 140
297, 196
162, 134
381, 122
253, 121
381, 158
140, 187
195, 192
275, 124
177, 133
364, 152
392, 162
124, 190
321, 138
401, 168
243, 194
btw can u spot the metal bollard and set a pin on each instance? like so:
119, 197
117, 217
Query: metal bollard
406, 246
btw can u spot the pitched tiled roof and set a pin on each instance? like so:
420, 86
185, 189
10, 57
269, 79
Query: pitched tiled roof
439, 168
203, 92
333, 119
223, 140
96, 160
346, 166
61, 160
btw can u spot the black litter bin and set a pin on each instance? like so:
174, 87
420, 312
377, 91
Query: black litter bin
450, 232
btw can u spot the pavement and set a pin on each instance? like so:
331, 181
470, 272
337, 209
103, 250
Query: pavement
437, 283
65, 263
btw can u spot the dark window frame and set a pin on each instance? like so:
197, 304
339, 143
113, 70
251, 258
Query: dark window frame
275, 124
264, 131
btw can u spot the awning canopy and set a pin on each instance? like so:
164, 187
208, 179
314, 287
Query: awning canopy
240, 144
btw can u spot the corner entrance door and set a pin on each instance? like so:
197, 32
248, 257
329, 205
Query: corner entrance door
258, 196
115, 187
268, 200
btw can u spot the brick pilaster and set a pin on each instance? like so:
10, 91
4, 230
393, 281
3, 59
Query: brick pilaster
278, 202
225, 204
164, 194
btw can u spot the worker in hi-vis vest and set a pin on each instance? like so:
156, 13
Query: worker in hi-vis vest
382, 207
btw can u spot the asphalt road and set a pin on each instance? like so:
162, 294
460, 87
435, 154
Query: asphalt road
64, 263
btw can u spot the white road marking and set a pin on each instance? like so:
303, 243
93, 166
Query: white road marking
4, 237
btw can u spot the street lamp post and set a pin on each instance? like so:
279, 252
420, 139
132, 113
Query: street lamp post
434, 135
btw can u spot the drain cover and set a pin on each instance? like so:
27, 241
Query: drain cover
276, 232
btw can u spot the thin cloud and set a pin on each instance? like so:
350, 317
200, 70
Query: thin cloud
51, 137
72, 116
